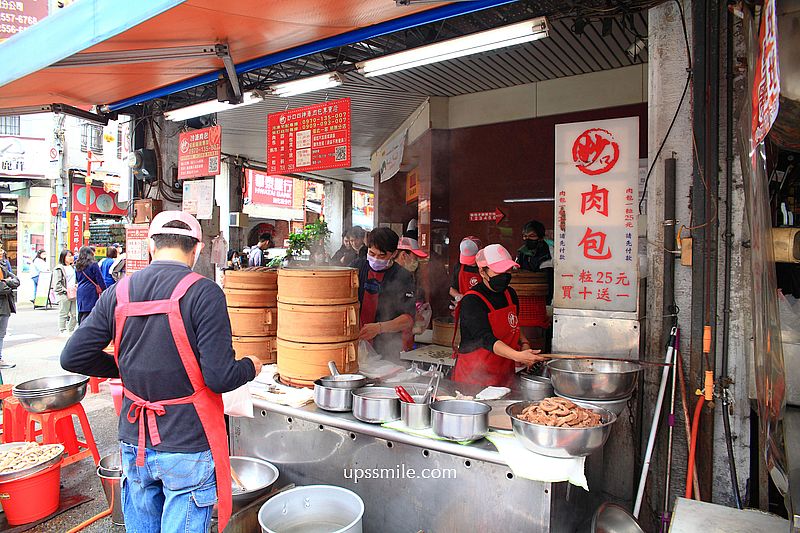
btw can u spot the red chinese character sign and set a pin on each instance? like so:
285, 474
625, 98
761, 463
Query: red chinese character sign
199, 152
766, 82
315, 137
77, 222
263, 189
596, 260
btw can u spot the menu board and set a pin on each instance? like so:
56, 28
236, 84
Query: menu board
137, 248
315, 137
199, 152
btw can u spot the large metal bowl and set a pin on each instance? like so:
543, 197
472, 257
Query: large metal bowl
560, 441
615, 406
51, 393
593, 379
26, 472
460, 420
257, 476
611, 518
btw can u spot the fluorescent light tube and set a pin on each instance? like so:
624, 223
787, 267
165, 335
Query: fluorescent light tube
527, 200
212, 106
521, 32
307, 85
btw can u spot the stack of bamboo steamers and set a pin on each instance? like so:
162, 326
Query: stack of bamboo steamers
252, 298
318, 321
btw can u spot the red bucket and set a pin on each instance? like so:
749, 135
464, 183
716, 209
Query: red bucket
31, 498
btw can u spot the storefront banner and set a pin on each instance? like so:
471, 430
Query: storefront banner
199, 152
100, 201
77, 223
19, 15
137, 248
766, 82
596, 248
23, 157
263, 189
198, 198
412, 186
392, 156
315, 137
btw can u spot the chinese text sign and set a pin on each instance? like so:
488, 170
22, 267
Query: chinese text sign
199, 152
596, 257
18, 15
263, 189
77, 223
137, 248
766, 82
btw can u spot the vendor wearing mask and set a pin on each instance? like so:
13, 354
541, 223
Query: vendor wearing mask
465, 275
534, 255
386, 295
408, 256
491, 341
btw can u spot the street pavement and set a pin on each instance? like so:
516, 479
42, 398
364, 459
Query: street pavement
33, 344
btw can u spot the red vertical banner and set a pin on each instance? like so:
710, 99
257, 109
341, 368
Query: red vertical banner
77, 222
137, 248
199, 152
766, 82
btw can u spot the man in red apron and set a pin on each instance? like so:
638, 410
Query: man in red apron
465, 275
491, 341
172, 342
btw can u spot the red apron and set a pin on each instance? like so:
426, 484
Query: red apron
207, 403
467, 280
481, 366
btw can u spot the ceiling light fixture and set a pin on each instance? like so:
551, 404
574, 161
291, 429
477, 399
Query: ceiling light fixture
527, 200
212, 106
328, 80
521, 32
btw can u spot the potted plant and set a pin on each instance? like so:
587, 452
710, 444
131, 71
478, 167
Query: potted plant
308, 245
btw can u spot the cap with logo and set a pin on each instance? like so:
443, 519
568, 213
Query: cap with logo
160, 221
496, 258
468, 249
407, 243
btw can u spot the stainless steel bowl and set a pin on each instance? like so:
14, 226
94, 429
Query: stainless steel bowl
560, 441
535, 388
51, 393
592, 379
611, 518
460, 420
344, 381
376, 405
615, 406
256, 475
313, 508
110, 465
332, 398
416, 415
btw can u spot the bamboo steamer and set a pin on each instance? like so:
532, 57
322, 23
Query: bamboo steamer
251, 297
253, 322
265, 348
443, 329
786, 245
529, 283
255, 280
322, 285
318, 323
300, 364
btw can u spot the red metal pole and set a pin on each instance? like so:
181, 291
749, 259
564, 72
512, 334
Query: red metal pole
87, 198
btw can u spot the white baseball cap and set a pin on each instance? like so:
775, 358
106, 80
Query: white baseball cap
157, 226
407, 243
468, 249
496, 258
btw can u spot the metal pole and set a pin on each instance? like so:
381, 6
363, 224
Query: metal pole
87, 198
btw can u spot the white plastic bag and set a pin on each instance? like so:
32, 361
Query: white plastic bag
238, 402
423, 318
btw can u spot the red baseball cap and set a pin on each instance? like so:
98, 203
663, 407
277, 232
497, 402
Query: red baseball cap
468, 249
496, 258
165, 217
407, 243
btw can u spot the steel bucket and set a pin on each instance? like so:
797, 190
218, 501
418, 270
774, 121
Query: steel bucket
110, 473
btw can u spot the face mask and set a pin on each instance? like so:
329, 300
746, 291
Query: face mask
412, 264
378, 264
532, 244
500, 282
197, 255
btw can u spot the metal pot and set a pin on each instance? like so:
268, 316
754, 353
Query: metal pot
110, 473
590, 379
560, 441
344, 381
535, 388
460, 420
51, 393
610, 517
416, 415
332, 398
615, 406
314, 508
376, 405
257, 476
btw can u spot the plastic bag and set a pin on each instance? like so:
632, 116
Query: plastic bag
238, 402
423, 318
790, 319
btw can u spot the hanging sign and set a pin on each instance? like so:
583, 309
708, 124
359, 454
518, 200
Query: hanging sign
100, 201
22, 157
309, 138
487, 216
198, 198
412, 186
77, 223
596, 257
263, 189
137, 248
766, 82
199, 153
18, 15
392, 155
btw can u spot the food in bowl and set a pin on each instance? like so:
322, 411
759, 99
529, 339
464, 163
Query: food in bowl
560, 412
27, 456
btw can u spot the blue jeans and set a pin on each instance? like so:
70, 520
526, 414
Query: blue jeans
171, 493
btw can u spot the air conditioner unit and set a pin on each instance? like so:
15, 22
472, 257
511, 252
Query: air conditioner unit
239, 220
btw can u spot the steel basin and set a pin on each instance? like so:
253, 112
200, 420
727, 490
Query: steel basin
332, 398
257, 476
376, 405
615, 406
344, 381
460, 420
31, 470
51, 393
560, 441
312, 509
592, 379
535, 388
611, 518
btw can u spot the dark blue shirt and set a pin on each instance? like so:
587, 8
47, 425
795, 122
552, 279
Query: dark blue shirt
149, 362
88, 280
105, 269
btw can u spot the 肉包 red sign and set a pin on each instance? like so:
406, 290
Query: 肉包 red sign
263, 189
487, 216
309, 138
766, 82
100, 201
18, 15
596, 238
199, 153
77, 223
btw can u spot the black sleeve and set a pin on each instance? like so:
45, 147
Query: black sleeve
84, 353
407, 301
454, 276
221, 371
476, 331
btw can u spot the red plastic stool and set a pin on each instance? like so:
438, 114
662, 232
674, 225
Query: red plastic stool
15, 420
5, 391
94, 384
57, 428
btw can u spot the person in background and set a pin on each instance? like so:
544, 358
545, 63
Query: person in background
358, 241
90, 282
5, 262
465, 275
258, 253
8, 305
386, 295
38, 266
412, 231
534, 255
344, 251
66, 290
409, 255
491, 340
234, 261
106, 264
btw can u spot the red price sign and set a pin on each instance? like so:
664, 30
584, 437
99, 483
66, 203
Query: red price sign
137, 248
199, 153
309, 138
487, 216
